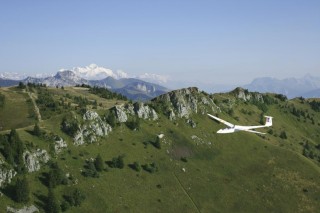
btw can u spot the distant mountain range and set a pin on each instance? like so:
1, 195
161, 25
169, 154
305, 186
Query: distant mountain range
132, 88
307, 86
146, 86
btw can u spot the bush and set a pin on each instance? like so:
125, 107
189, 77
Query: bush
136, 166
69, 125
151, 168
117, 162
133, 124
90, 170
74, 197
283, 135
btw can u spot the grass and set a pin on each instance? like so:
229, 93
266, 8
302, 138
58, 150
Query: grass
17, 111
238, 172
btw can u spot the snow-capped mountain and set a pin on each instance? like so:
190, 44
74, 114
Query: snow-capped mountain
94, 72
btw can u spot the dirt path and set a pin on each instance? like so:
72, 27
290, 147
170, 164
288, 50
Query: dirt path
36, 108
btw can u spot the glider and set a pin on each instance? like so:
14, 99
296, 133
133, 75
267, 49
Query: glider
234, 128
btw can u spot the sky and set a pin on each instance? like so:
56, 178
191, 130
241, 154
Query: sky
211, 42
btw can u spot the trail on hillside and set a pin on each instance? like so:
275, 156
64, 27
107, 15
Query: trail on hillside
186, 192
36, 108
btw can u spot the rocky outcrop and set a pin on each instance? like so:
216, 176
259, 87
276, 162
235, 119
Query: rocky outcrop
59, 144
32, 160
141, 110
25, 209
120, 113
6, 173
145, 112
245, 95
92, 129
184, 102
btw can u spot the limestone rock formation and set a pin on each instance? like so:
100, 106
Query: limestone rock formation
32, 160
92, 129
59, 144
145, 112
25, 209
6, 173
245, 95
184, 102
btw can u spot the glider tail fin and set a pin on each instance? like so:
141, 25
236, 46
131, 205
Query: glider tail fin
268, 121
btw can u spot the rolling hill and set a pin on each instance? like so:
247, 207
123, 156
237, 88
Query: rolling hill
159, 156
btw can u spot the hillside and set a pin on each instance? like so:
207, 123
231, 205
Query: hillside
94, 149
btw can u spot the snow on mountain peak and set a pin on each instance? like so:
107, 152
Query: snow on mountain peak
94, 72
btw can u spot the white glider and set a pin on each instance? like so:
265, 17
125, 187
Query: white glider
234, 128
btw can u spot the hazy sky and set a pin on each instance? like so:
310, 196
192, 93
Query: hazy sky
218, 42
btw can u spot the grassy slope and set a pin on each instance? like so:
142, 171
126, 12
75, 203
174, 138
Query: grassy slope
17, 112
238, 172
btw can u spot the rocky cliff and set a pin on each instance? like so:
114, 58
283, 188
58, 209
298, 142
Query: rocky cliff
184, 102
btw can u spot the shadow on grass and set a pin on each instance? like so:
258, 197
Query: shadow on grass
44, 178
9, 191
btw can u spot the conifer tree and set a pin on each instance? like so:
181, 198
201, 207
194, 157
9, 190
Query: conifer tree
98, 163
22, 191
36, 130
52, 202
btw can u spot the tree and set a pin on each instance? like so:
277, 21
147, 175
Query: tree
17, 148
55, 176
90, 170
22, 190
52, 203
157, 143
283, 135
36, 130
117, 162
98, 163
74, 197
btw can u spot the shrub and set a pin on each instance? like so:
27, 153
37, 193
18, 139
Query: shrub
74, 197
117, 162
151, 168
90, 170
283, 135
